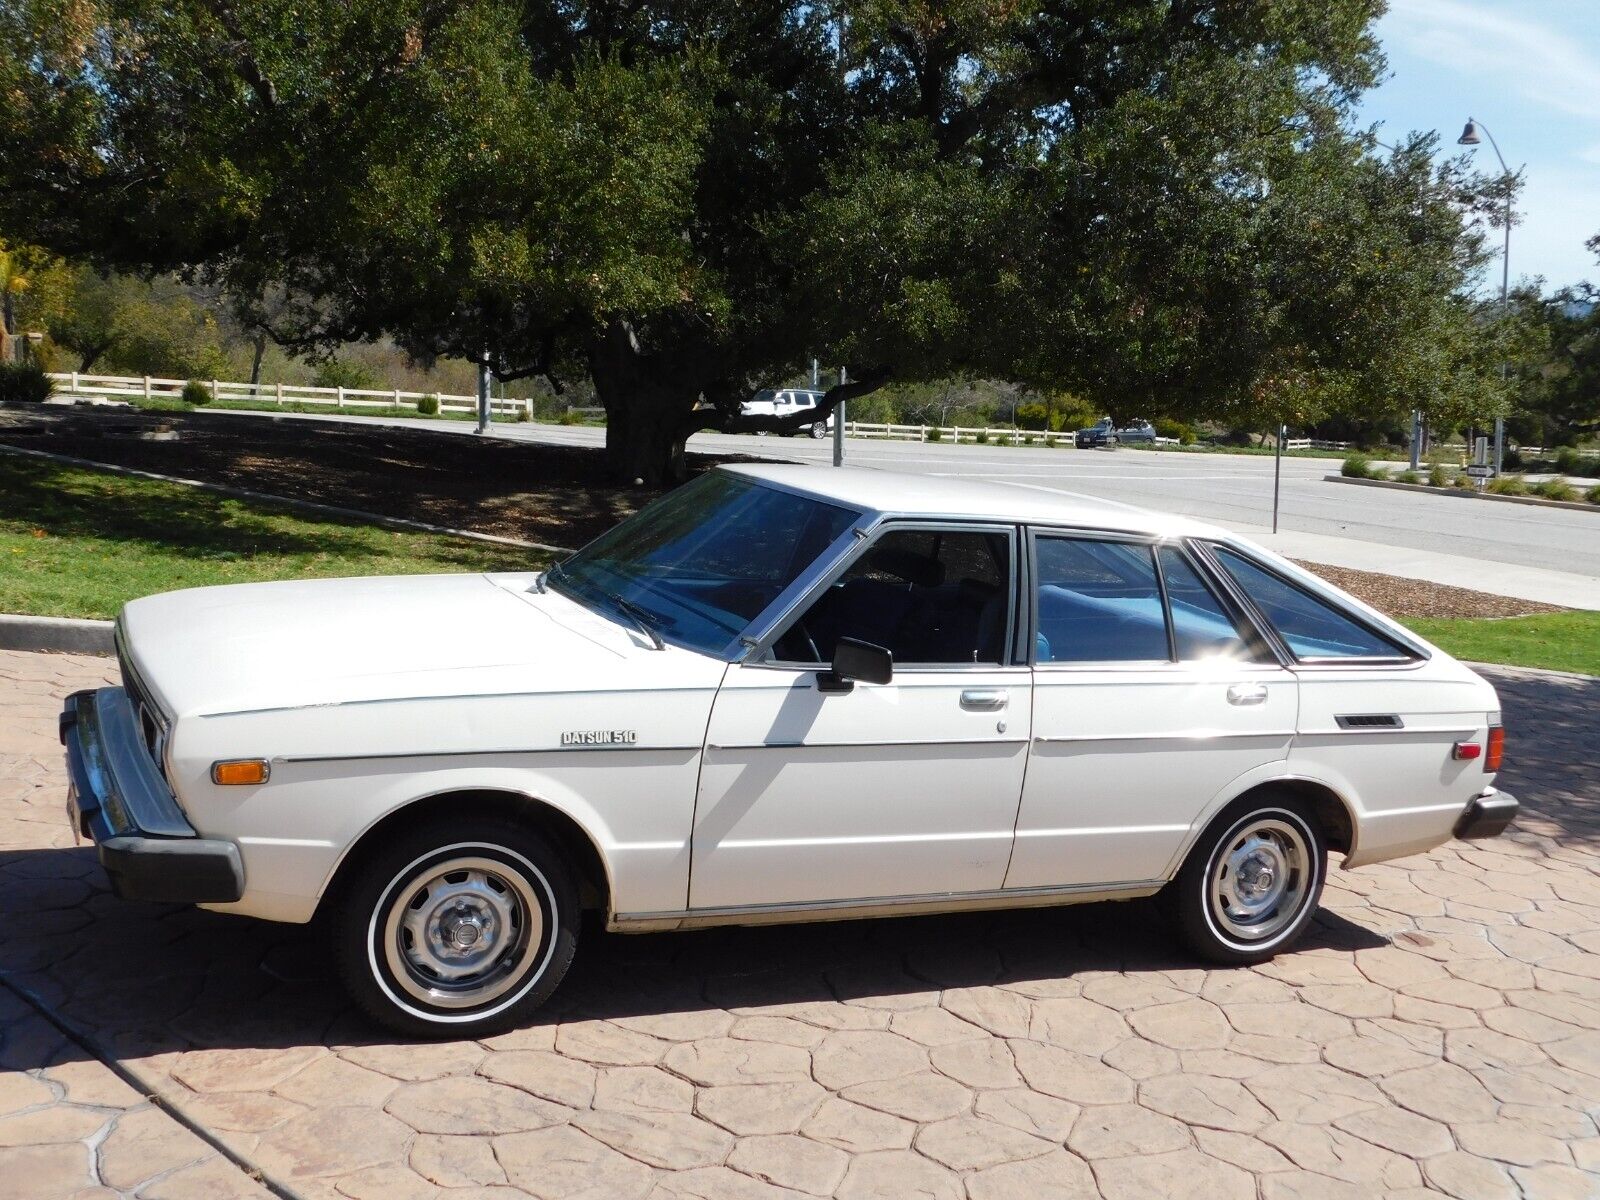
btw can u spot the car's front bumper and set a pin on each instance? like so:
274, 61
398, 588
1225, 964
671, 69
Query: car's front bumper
118, 798
1488, 815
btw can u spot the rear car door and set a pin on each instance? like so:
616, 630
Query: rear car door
903, 789
1152, 693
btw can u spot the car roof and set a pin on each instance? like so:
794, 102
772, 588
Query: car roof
900, 494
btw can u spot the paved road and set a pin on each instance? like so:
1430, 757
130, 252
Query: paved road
1443, 538
1438, 1034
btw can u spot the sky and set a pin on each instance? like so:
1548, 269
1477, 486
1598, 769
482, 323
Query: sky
1529, 70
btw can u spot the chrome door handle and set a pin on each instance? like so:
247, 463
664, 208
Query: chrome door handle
1247, 693
984, 699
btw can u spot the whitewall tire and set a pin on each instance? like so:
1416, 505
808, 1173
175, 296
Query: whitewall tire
457, 928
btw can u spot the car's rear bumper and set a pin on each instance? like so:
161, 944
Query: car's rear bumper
118, 798
1487, 815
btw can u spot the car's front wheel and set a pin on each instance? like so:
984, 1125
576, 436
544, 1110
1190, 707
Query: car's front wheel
1251, 883
457, 928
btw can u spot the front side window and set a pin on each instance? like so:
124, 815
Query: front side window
1311, 627
930, 597
701, 563
1098, 601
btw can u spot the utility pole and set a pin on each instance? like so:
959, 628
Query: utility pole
838, 423
1277, 472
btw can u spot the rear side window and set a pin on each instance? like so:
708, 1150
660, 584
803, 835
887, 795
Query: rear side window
1312, 628
1201, 627
1098, 601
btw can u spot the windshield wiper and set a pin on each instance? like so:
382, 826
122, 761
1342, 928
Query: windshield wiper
638, 615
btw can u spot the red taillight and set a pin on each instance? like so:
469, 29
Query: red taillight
1497, 748
1467, 750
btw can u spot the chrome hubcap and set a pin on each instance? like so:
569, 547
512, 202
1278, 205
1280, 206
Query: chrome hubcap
462, 932
1260, 879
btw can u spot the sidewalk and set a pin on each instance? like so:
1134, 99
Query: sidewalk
1500, 579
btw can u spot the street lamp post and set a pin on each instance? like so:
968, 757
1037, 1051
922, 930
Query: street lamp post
1469, 137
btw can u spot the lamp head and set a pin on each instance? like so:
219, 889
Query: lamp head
1469, 135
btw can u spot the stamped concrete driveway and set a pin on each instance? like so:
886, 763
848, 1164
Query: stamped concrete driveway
1438, 1034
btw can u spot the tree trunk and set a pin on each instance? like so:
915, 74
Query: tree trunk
255, 360
646, 407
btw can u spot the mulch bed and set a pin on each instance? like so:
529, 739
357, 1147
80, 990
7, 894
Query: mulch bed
559, 495
1415, 598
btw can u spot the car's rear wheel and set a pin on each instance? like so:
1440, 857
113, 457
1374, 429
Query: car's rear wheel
819, 429
457, 928
1251, 883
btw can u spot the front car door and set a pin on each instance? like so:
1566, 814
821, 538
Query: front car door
905, 789
1152, 693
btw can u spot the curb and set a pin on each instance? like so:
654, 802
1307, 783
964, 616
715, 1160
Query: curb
332, 510
1579, 505
55, 635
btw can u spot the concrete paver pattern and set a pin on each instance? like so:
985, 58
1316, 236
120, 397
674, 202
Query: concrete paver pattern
1437, 1034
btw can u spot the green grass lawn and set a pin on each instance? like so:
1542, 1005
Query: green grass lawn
81, 543
1564, 641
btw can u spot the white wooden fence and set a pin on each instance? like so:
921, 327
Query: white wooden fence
74, 384
1005, 435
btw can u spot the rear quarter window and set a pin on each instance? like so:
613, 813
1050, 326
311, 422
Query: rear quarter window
1311, 627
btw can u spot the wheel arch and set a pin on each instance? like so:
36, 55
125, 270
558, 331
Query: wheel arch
1336, 816
576, 842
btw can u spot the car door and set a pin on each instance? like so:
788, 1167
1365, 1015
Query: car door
1152, 693
908, 788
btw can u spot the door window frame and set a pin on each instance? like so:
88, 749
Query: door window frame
761, 654
1266, 650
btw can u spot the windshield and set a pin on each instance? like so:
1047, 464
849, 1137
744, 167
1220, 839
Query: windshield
698, 565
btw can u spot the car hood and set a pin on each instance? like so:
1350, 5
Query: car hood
253, 647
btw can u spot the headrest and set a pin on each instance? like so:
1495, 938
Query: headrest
916, 569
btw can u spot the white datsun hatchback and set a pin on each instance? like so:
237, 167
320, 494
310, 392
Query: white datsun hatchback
779, 693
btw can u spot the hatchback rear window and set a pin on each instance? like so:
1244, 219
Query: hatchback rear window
1311, 627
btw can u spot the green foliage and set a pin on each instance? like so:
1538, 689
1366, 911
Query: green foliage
345, 373
428, 406
935, 434
1593, 494
1168, 428
982, 437
1464, 481
24, 383
1356, 467
524, 415
1407, 477
1437, 476
1160, 212
1508, 485
196, 392
569, 417
1571, 461
1556, 489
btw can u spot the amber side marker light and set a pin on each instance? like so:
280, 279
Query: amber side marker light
241, 770
1497, 748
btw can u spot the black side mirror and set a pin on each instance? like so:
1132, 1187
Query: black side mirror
855, 660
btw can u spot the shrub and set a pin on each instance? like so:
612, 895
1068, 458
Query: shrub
24, 383
1572, 461
524, 413
1463, 481
568, 417
1033, 416
1556, 489
339, 372
195, 392
983, 437
1027, 439
428, 406
1512, 459
1168, 428
1593, 494
935, 434
1407, 477
1508, 485
1438, 476
1356, 467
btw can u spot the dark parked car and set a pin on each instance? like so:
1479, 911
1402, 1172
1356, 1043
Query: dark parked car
1105, 433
